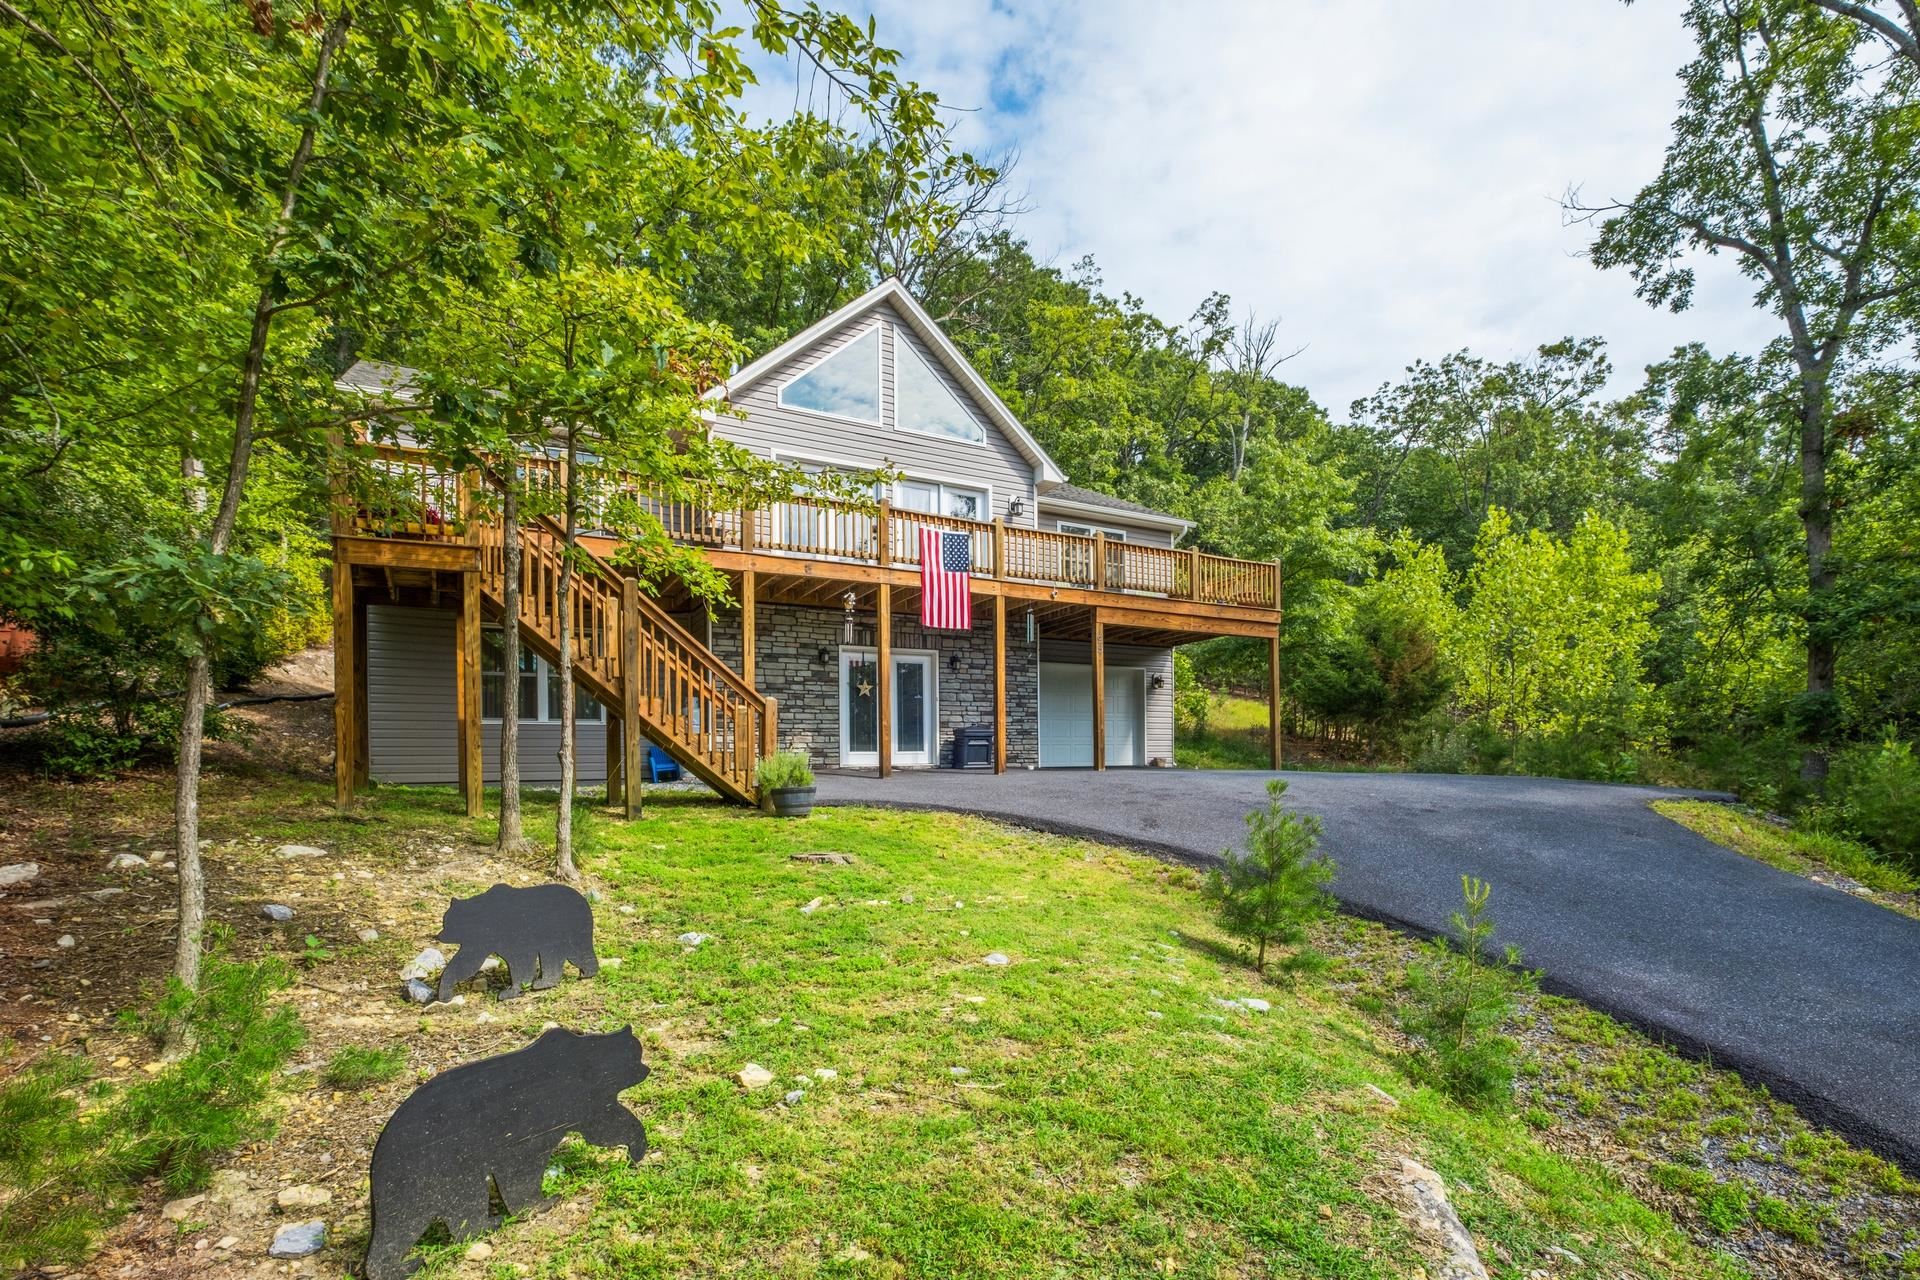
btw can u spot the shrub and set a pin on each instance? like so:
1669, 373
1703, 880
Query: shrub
1191, 701
208, 1101
1276, 888
1875, 789
782, 770
357, 1066
1457, 998
72, 1156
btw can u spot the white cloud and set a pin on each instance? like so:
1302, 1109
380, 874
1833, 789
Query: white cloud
1381, 173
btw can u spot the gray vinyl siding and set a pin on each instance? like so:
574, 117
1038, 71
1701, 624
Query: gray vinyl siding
411, 728
1159, 736
1144, 534
770, 429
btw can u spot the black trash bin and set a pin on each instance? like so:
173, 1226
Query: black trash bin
973, 747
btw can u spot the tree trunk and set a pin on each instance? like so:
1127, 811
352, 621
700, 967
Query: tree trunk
186, 831
563, 826
186, 808
512, 838
1816, 521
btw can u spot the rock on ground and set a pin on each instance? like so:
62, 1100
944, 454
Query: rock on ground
277, 913
425, 965
1429, 1214
997, 958
754, 1076
300, 851
304, 1196
298, 1240
18, 873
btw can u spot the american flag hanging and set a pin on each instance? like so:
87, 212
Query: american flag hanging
946, 567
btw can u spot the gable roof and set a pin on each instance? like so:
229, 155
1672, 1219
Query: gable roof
1070, 496
1047, 472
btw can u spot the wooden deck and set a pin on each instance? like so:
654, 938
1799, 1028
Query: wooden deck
420, 519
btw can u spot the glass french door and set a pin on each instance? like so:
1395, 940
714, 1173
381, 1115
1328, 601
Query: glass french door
915, 714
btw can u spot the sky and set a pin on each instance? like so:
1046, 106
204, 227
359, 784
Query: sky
1382, 176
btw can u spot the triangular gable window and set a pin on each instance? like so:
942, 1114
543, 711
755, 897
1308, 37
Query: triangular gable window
924, 402
846, 384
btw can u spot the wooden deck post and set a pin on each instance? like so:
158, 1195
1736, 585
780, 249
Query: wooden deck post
1099, 691
346, 733
616, 755
749, 625
999, 548
630, 679
999, 672
473, 778
362, 743
883, 685
1273, 694
883, 533
770, 729
1099, 560
1193, 573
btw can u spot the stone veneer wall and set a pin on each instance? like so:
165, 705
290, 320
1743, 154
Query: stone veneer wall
787, 658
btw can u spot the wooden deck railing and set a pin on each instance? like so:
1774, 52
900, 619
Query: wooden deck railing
411, 497
632, 656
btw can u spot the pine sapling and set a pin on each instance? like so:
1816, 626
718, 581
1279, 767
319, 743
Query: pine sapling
1458, 997
1270, 893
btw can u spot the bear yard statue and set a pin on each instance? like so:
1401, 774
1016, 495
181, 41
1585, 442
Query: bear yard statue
535, 931
498, 1121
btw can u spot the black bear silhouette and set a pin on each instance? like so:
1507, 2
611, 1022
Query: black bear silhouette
500, 1117
534, 929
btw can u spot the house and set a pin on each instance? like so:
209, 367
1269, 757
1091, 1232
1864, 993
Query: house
1078, 598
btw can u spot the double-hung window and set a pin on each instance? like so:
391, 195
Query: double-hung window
1078, 557
536, 686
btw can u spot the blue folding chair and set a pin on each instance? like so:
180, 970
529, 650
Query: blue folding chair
661, 765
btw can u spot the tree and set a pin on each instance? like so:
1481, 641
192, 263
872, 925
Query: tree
257, 212
1275, 888
1457, 999
1795, 154
1252, 357
1901, 31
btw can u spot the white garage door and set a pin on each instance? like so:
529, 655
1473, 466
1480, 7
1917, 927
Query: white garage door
1066, 715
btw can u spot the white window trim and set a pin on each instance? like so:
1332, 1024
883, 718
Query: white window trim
933, 702
933, 368
985, 491
879, 381
1081, 529
892, 490
543, 683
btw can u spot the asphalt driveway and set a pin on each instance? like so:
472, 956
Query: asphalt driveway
1804, 988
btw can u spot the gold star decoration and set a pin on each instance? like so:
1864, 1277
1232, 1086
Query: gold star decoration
865, 688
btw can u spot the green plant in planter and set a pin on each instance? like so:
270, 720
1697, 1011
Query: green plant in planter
784, 771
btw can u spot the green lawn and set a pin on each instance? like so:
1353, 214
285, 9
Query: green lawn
1235, 736
1087, 1109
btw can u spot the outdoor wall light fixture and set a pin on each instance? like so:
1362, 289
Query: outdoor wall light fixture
824, 656
1016, 508
1159, 680
953, 662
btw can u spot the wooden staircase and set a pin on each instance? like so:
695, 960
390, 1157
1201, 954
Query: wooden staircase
637, 662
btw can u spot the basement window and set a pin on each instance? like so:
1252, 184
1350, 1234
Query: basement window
538, 685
